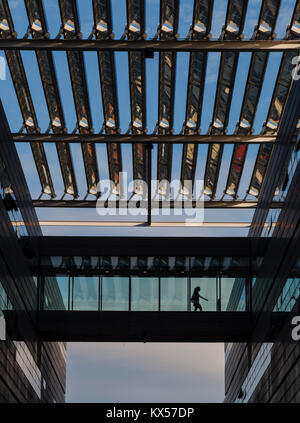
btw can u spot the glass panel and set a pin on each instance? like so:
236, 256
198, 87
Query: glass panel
3, 305
233, 263
89, 262
197, 263
231, 288
123, 263
242, 302
106, 263
35, 280
63, 286
139, 263
68, 262
144, 294
289, 295
257, 263
115, 293
3, 296
181, 264
85, 294
173, 294
207, 290
56, 293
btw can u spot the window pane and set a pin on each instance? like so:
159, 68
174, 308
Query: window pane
173, 294
63, 285
144, 294
242, 301
85, 295
3, 297
115, 293
231, 291
56, 293
207, 290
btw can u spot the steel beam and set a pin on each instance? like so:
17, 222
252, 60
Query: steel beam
268, 14
156, 139
166, 90
106, 64
155, 204
232, 30
129, 246
152, 45
123, 223
200, 29
146, 326
137, 77
71, 31
36, 15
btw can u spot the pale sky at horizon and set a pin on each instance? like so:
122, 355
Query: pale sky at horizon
151, 372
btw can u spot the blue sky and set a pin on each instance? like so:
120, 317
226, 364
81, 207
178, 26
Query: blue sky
140, 372
152, 18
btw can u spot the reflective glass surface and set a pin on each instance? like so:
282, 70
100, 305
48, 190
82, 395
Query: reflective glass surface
207, 290
159, 266
63, 286
140, 293
56, 293
173, 294
115, 293
144, 294
227, 285
86, 293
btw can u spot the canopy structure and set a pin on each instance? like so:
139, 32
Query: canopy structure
148, 163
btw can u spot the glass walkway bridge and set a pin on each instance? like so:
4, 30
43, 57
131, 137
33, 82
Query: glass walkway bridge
93, 297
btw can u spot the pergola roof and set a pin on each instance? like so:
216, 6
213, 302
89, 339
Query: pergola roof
140, 48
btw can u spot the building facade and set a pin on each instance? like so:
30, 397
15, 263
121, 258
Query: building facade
270, 372
30, 370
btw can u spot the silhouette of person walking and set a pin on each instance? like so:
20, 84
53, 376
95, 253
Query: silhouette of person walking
196, 297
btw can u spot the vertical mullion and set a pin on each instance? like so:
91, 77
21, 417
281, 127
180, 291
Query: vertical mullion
42, 293
216, 291
129, 303
99, 292
188, 293
69, 288
101, 286
72, 298
159, 294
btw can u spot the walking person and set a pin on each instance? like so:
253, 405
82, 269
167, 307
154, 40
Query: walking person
196, 299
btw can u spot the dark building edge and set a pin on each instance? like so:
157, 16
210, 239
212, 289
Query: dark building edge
21, 289
273, 369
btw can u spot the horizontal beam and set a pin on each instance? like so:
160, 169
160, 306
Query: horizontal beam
149, 246
86, 223
152, 45
156, 139
218, 204
146, 326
